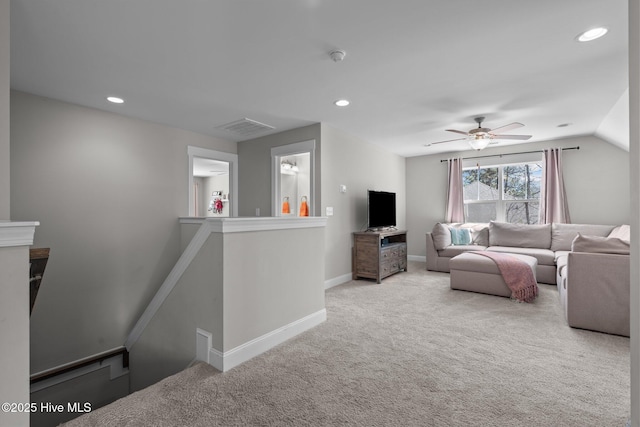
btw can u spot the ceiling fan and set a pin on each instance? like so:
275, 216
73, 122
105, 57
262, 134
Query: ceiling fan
480, 137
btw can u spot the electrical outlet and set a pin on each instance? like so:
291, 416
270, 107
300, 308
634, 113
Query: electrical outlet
257, 211
329, 211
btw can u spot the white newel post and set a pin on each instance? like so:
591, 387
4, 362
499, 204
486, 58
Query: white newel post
15, 239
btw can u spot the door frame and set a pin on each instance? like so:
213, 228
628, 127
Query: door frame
222, 156
277, 153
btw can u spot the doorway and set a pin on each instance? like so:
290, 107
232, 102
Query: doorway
293, 179
212, 183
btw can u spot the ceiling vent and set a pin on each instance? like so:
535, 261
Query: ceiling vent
245, 127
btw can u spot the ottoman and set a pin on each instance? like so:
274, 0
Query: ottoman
477, 273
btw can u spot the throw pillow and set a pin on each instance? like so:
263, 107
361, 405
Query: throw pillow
441, 236
460, 236
600, 245
622, 232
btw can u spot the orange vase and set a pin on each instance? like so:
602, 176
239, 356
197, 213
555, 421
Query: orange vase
285, 206
304, 207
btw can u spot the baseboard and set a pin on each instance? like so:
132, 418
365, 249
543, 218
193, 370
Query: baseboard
234, 357
419, 258
338, 281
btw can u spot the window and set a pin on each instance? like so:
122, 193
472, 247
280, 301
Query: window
508, 193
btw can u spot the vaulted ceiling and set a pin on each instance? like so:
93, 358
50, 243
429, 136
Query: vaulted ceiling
412, 69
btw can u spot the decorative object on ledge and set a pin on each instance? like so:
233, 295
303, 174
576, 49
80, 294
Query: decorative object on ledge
215, 204
285, 205
304, 207
38, 258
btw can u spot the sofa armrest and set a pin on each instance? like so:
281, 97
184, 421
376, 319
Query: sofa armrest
598, 292
432, 254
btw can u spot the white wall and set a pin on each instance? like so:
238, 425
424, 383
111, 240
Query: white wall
596, 179
108, 191
350, 161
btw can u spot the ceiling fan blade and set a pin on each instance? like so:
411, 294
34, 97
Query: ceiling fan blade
519, 137
506, 128
442, 142
457, 131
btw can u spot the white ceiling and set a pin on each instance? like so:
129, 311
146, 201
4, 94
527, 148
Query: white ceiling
204, 167
413, 67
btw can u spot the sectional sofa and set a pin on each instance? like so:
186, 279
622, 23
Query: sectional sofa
588, 263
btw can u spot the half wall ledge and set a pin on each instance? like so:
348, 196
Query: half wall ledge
15, 233
243, 224
240, 287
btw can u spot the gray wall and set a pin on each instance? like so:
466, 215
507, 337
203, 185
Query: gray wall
596, 179
341, 159
350, 161
5, 72
238, 289
168, 343
254, 168
267, 289
14, 266
108, 191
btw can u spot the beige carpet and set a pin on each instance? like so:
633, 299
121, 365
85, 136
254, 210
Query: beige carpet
407, 352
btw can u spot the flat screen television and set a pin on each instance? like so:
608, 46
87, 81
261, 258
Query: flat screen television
381, 209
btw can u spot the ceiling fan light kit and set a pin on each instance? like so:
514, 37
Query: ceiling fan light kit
479, 142
480, 137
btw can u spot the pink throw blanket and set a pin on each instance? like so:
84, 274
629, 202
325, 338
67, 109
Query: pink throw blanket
516, 274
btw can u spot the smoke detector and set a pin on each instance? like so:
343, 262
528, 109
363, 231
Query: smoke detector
337, 55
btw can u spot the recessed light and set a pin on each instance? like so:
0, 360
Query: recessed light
592, 34
342, 102
115, 99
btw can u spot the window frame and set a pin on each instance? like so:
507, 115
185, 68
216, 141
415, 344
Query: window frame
500, 203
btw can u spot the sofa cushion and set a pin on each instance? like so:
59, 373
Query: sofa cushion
600, 245
480, 235
460, 236
544, 256
441, 236
622, 232
452, 251
520, 235
562, 235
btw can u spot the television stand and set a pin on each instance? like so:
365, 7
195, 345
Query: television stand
379, 254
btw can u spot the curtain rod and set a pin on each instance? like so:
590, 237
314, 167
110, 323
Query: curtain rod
511, 154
